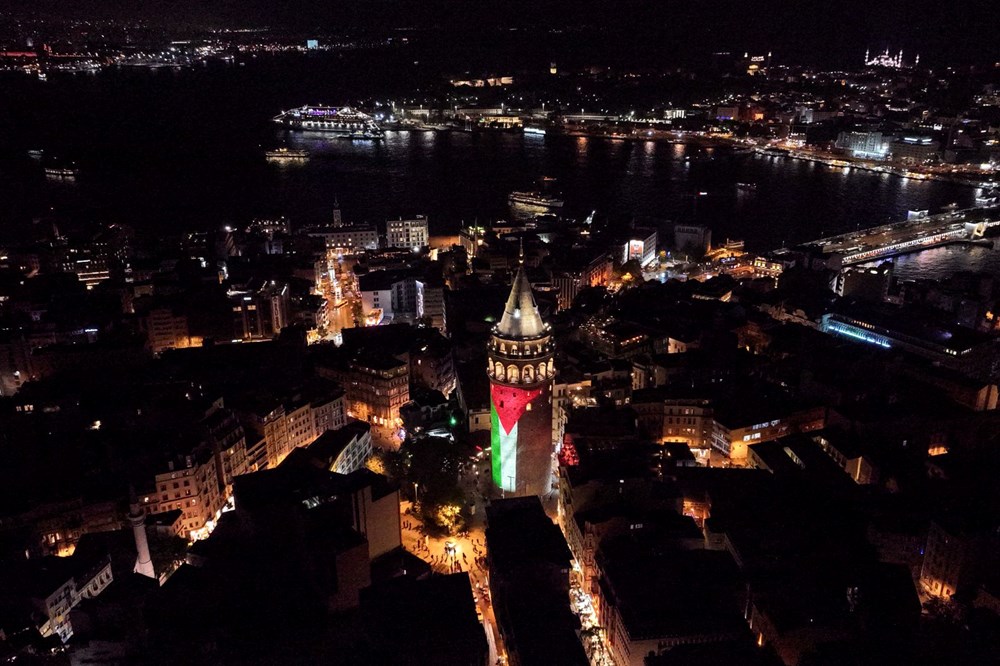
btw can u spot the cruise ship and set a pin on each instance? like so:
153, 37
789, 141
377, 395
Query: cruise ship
342, 121
534, 200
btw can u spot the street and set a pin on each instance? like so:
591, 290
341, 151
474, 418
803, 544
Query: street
463, 552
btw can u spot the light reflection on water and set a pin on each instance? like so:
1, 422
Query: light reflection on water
457, 175
940, 262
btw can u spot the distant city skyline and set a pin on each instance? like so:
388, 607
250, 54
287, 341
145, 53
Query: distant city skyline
823, 33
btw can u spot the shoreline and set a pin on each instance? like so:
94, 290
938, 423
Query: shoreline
673, 137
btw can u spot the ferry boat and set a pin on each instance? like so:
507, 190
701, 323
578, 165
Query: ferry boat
343, 121
61, 172
360, 135
286, 155
534, 200
987, 198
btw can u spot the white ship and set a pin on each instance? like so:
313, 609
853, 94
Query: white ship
534, 200
343, 121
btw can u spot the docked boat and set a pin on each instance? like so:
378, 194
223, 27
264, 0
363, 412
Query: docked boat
286, 155
362, 136
343, 121
535, 200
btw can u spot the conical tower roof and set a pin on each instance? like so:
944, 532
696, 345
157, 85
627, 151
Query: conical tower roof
521, 318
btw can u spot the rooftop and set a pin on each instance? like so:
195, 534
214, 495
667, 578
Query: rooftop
428, 621
521, 318
703, 587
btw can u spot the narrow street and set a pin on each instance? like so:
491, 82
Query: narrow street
463, 552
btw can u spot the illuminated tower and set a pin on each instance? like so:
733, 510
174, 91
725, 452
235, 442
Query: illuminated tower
521, 372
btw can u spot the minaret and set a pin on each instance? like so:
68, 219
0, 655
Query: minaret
143, 562
337, 219
521, 373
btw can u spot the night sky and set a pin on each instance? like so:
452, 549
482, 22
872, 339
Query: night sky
827, 32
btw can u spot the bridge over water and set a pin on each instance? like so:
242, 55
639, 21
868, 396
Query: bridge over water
912, 235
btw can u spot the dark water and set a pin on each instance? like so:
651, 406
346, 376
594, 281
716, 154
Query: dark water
172, 150
941, 262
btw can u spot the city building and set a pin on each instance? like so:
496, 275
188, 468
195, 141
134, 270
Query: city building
259, 312
411, 234
166, 329
189, 483
344, 450
576, 276
521, 371
529, 580
665, 416
377, 386
926, 336
958, 554
914, 149
704, 588
391, 296
350, 238
41, 592
430, 621
736, 426
435, 313
692, 239
866, 145
640, 246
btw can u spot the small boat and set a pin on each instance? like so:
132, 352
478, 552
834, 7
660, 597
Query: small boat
746, 187
286, 155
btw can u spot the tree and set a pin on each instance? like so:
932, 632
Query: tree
430, 471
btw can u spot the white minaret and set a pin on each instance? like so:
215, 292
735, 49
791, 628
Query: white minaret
337, 219
143, 562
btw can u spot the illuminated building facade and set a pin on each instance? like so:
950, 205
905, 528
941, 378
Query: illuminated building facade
407, 233
521, 372
866, 145
641, 246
